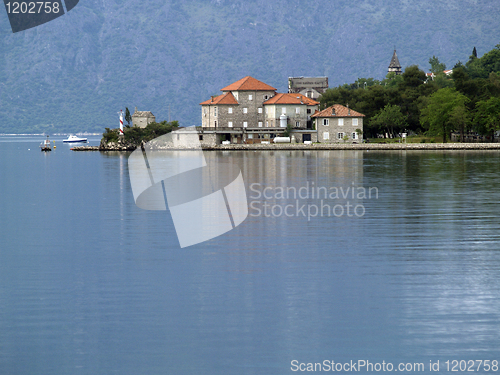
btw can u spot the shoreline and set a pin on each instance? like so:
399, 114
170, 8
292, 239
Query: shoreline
362, 146
335, 146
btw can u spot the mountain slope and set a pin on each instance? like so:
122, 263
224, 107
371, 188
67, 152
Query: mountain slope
78, 71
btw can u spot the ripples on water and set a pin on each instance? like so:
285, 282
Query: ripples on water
90, 284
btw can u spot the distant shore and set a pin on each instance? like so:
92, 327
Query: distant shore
335, 146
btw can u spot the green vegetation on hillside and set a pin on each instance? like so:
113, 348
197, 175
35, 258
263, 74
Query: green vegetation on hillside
466, 101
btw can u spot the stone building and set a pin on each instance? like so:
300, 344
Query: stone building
296, 107
241, 105
249, 111
339, 124
394, 65
311, 87
142, 118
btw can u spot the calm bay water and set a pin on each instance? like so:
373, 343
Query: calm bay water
91, 284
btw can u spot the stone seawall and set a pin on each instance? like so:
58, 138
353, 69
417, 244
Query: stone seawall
320, 146
85, 148
363, 146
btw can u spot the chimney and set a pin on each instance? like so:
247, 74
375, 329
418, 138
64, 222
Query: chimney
348, 110
212, 98
136, 109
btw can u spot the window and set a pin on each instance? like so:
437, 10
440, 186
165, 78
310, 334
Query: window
204, 112
297, 110
354, 122
200, 137
266, 97
230, 124
215, 111
260, 109
260, 124
283, 110
308, 111
354, 136
245, 124
267, 124
177, 136
250, 136
267, 109
340, 135
245, 110
325, 122
297, 124
326, 136
215, 123
230, 110
250, 97
341, 122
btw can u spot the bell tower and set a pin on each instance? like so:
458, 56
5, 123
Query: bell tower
395, 66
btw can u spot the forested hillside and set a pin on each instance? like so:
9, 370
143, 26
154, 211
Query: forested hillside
76, 72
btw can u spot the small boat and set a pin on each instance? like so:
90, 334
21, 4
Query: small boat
45, 145
74, 139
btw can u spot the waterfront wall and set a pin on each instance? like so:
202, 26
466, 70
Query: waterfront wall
363, 146
318, 146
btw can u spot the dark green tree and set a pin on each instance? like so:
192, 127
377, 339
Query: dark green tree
128, 118
474, 52
436, 66
410, 91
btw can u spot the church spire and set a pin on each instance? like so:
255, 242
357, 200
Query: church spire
395, 66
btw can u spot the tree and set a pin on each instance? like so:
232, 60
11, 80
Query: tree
459, 118
438, 109
128, 118
410, 92
436, 66
288, 130
390, 118
487, 116
392, 79
474, 52
413, 76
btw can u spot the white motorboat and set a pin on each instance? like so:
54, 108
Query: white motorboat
74, 139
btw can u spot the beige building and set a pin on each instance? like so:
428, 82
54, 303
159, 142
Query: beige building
142, 118
339, 124
296, 107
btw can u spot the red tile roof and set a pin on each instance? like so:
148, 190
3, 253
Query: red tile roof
291, 99
248, 84
226, 98
340, 111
